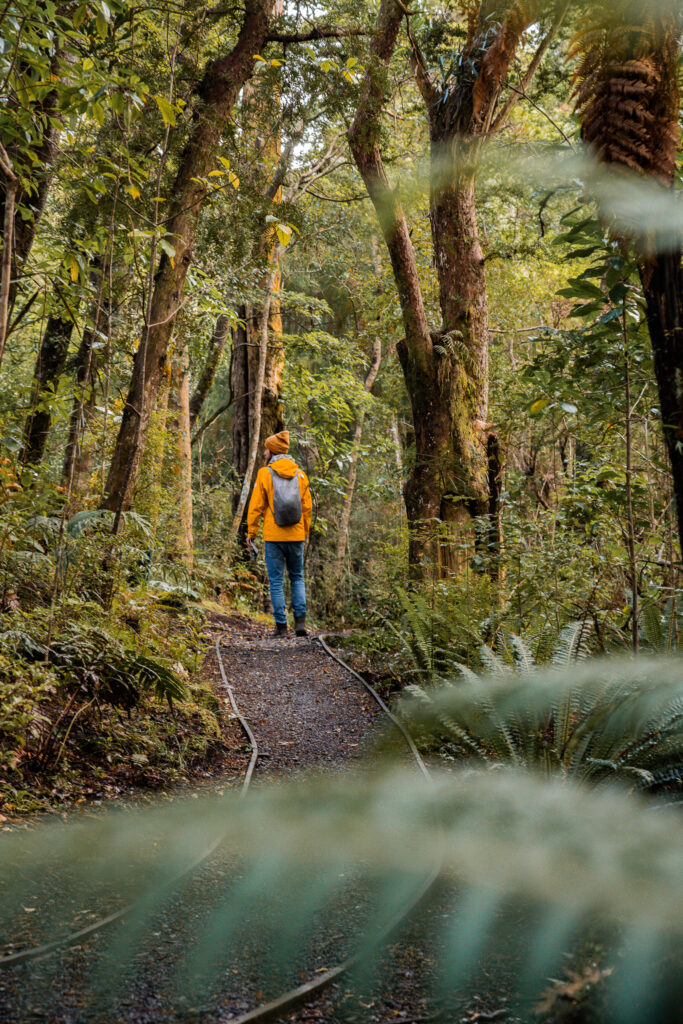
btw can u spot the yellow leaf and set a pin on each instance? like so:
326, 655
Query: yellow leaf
133, 191
284, 233
72, 265
216, 174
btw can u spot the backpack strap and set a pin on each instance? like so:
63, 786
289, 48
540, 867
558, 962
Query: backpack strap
271, 507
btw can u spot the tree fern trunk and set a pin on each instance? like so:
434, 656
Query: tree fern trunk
662, 279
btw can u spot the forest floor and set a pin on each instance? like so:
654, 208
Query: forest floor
308, 714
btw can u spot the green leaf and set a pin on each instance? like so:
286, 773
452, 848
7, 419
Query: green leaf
166, 109
167, 247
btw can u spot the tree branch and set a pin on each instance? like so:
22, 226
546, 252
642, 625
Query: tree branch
364, 142
319, 32
516, 94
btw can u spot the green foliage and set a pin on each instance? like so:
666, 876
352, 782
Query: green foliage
563, 855
609, 720
100, 665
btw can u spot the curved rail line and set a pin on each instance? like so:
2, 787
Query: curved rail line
304, 992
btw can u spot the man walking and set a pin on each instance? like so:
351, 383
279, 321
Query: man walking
282, 497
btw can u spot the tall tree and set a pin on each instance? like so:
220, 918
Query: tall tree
445, 369
210, 368
215, 98
50, 363
344, 522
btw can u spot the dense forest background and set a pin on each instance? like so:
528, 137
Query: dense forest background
440, 245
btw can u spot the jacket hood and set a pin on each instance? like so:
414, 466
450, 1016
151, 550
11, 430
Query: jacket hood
284, 466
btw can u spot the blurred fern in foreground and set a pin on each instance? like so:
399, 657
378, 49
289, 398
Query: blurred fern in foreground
608, 719
349, 853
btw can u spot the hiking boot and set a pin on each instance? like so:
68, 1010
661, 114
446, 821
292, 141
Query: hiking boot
300, 627
280, 629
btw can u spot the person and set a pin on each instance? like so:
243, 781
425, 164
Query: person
286, 512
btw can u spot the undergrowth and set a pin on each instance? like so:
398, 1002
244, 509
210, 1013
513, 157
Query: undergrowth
97, 701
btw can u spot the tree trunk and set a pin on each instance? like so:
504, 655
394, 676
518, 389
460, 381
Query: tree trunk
208, 374
11, 188
244, 372
27, 206
343, 532
245, 375
180, 536
255, 425
446, 371
78, 455
217, 94
49, 368
245, 361
662, 279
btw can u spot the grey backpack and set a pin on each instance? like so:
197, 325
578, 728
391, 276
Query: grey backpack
287, 510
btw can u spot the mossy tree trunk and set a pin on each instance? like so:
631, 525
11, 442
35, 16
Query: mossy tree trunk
49, 367
216, 95
445, 370
344, 522
662, 278
210, 368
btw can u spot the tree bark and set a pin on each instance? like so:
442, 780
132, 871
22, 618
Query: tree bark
49, 368
343, 532
208, 374
78, 457
38, 178
245, 377
255, 426
179, 459
245, 351
446, 371
11, 189
217, 93
662, 279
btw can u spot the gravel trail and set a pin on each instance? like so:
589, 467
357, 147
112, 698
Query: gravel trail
307, 713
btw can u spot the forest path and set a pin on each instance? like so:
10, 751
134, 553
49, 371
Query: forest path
305, 710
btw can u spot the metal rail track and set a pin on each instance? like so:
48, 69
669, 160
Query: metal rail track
302, 993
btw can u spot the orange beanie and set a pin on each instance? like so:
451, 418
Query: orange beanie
278, 444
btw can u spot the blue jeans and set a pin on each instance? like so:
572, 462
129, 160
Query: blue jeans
290, 553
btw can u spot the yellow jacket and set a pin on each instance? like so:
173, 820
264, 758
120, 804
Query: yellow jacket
261, 504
